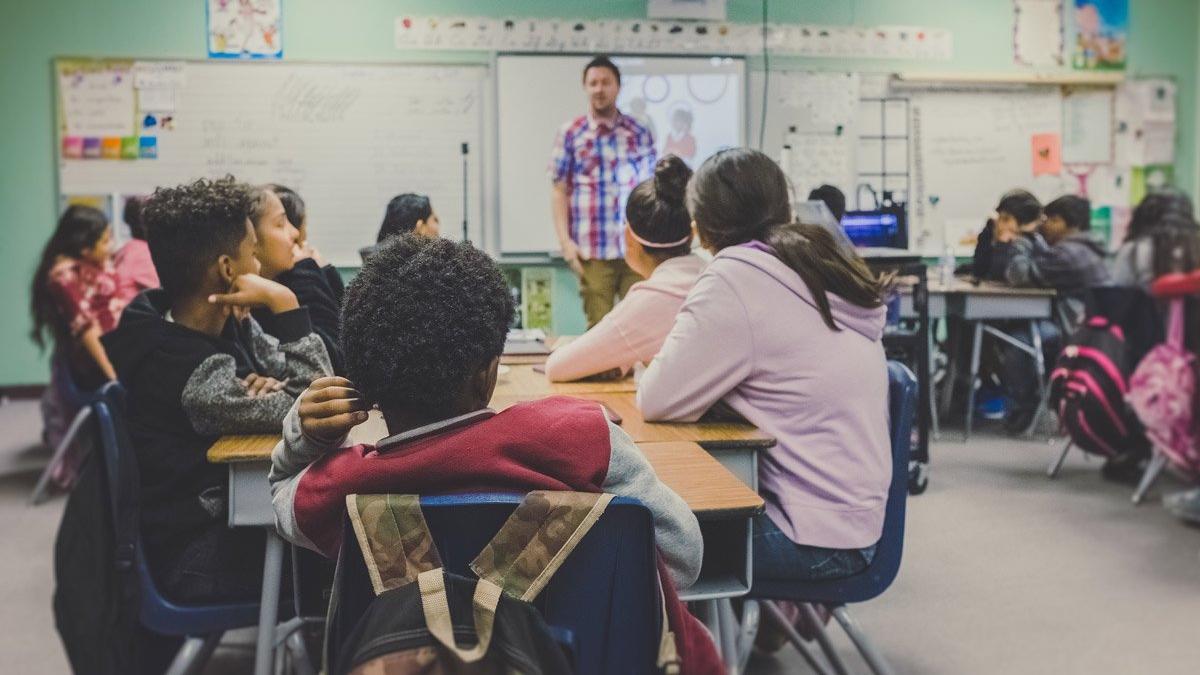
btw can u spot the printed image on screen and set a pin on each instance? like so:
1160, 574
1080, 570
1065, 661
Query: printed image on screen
692, 106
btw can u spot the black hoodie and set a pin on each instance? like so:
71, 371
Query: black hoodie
185, 391
314, 289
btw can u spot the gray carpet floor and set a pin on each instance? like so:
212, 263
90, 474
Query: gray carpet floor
1004, 571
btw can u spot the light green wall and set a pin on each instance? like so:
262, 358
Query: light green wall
1163, 42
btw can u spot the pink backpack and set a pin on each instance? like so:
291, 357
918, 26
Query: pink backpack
1161, 392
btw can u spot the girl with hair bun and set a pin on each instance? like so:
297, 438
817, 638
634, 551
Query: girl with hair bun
658, 246
784, 327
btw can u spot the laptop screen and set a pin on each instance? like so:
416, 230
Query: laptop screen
872, 228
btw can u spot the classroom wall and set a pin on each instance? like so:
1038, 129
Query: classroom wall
1163, 42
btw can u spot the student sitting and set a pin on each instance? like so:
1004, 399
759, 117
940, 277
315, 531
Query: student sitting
405, 213
658, 246
1018, 212
75, 294
196, 366
1136, 262
785, 328
285, 261
297, 214
833, 198
132, 261
75, 298
424, 326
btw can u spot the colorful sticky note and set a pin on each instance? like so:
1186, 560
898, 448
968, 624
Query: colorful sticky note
72, 147
91, 148
129, 147
148, 147
110, 147
1047, 154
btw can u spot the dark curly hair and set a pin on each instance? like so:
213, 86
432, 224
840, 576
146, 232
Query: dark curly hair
420, 318
192, 225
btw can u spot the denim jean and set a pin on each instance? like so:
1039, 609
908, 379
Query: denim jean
778, 558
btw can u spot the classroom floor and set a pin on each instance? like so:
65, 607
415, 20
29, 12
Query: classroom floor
1004, 571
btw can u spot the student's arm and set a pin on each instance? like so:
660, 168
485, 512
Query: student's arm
601, 349
708, 352
331, 407
1021, 268
90, 339
295, 354
676, 531
217, 402
310, 284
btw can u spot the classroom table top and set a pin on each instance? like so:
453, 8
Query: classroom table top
709, 489
710, 435
967, 286
523, 380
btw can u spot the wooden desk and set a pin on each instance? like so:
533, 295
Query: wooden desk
523, 380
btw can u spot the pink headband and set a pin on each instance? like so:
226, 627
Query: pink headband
654, 244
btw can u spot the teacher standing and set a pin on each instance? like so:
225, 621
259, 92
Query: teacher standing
598, 159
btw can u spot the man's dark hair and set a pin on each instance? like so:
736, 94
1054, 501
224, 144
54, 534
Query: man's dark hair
132, 215
1020, 204
402, 215
602, 62
192, 225
421, 317
293, 205
1076, 212
833, 198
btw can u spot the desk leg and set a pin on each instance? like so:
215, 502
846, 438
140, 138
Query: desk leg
729, 636
933, 407
1039, 361
268, 612
976, 343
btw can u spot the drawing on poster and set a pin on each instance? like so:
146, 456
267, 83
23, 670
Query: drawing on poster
1100, 34
245, 29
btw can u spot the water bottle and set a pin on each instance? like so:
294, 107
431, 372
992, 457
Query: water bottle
946, 267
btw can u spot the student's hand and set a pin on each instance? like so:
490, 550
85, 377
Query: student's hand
330, 408
1005, 233
305, 251
251, 290
1030, 228
261, 385
573, 257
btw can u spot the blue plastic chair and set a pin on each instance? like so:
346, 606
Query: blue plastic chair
875, 579
78, 399
201, 626
603, 602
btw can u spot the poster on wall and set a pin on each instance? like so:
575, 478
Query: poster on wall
1100, 34
1038, 32
245, 29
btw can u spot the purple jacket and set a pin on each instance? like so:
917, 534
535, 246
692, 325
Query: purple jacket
749, 333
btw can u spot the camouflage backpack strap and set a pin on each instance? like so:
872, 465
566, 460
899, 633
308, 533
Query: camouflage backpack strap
536, 539
394, 538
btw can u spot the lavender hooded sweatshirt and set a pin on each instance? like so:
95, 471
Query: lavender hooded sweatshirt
750, 333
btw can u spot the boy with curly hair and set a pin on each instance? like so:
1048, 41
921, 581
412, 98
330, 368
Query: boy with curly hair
196, 367
423, 327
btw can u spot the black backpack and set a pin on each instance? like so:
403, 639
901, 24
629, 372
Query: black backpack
1088, 387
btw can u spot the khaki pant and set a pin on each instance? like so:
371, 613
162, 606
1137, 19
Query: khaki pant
601, 282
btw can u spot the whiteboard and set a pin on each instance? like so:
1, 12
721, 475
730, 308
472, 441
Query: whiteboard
968, 149
346, 137
537, 95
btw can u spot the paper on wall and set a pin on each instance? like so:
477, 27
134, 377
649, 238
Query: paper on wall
1047, 154
1108, 185
158, 74
157, 99
97, 102
1038, 32
1087, 126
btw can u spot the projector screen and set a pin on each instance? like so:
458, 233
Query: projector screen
694, 106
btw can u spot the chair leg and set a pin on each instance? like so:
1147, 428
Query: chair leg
194, 654
1158, 461
874, 659
1056, 465
750, 617
41, 490
823, 640
771, 610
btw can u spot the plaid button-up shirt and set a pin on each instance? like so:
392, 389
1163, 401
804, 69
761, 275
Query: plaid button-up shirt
601, 164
